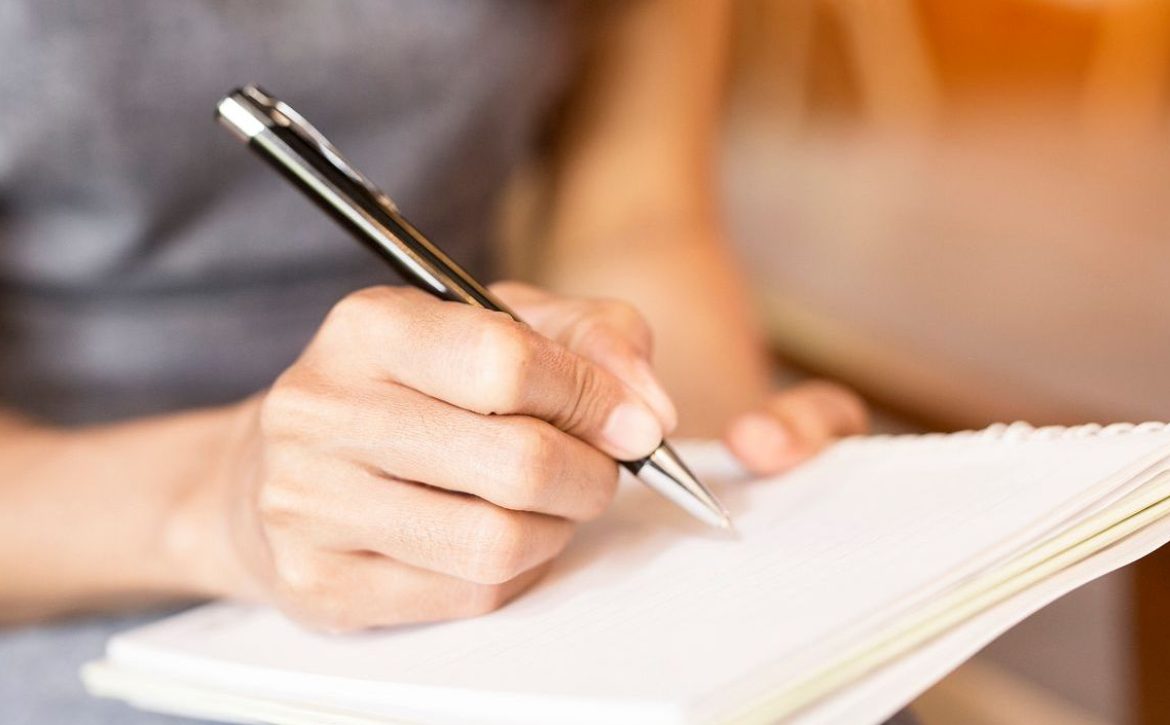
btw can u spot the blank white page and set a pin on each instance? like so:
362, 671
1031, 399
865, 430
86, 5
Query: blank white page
648, 616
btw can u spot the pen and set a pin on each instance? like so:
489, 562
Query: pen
284, 139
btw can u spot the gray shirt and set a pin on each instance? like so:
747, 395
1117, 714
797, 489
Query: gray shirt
148, 262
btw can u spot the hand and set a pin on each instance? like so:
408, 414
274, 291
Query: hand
425, 460
794, 425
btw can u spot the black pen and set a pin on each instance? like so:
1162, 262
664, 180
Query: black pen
284, 139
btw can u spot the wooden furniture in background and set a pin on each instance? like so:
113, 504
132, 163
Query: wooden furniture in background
1151, 637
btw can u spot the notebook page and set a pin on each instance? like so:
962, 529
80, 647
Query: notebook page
871, 699
885, 691
648, 612
856, 657
1087, 510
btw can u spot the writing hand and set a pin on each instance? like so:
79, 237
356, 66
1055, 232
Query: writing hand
425, 460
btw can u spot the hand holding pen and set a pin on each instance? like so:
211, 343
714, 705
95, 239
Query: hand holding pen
299, 152
424, 460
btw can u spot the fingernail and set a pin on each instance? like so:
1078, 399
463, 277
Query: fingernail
656, 396
632, 431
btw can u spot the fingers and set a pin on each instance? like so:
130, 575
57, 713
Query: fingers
487, 363
347, 592
515, 462
795, 425
424, 460
427, 528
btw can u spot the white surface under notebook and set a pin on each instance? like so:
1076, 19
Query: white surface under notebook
857, 581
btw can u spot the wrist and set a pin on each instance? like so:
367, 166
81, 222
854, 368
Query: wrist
117, 515
198, 536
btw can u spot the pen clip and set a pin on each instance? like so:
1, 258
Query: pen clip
285, 115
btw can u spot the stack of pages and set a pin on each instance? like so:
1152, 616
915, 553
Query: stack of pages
855, 582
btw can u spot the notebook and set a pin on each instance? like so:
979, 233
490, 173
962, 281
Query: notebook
855, 582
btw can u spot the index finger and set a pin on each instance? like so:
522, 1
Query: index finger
488, 363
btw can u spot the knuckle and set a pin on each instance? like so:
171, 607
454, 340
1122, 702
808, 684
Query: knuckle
531, 464
372, 305
279, 505
358, 305
497, 546
504, 352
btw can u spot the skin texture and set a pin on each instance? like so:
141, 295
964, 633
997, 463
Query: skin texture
425, 460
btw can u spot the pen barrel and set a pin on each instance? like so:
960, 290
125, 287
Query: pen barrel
300, 154
371, 223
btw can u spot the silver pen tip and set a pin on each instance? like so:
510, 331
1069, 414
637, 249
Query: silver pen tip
725, 523
665, 472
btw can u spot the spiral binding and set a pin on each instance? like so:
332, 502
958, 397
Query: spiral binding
1021, 431
719, 462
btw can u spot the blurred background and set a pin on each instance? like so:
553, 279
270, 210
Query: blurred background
962, 208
